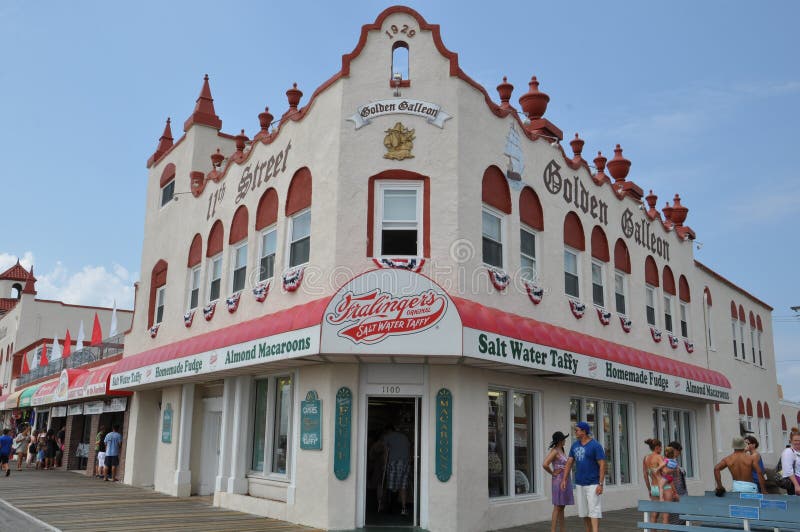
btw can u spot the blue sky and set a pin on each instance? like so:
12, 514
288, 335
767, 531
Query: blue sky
703, 96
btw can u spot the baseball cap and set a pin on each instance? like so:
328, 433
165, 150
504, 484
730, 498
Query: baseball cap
584, 426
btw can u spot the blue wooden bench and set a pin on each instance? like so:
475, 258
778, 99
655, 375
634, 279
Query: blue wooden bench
725, 513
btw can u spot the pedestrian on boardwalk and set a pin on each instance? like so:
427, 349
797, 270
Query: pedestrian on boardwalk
651, 469
790, 465
61, 436
100, 450
33, 447
6, 444
741, 467
41, 447
751, 444
21, 444
554, 463
50, 450
113, 441
589, 459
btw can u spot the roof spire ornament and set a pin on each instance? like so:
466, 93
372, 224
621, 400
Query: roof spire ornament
652, 201
534, 102
577, 148
241, 140
204, 110
264, 120
619, 166
30, 284
293, 95
164, 143
667, 210
600, 163
679, 212
504, 90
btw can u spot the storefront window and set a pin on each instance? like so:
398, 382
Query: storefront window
515, 446
272, 425
497, 444
676, 425
283, 406
612, 430
259, 425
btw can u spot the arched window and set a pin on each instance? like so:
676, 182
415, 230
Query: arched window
622, 269
266, 217
193, 263
496, 199
669, 297
16, 291
734, 326
742, 321
158, 282
298, 213
574, 244
214, 261
758, 339
400, 61
238, 242
531, 220
753, 336
167, 183
651, 283
684, 298
600, 258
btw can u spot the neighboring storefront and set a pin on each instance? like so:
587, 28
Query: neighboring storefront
407, 253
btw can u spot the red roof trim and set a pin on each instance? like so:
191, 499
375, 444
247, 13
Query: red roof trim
720, 278
477, 316
290, 319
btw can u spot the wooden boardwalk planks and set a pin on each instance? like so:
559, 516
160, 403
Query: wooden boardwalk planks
70, 501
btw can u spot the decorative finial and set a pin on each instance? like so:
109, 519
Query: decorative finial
619, 166
293, 95
534, 102
217, 158
679, 212
577, 147
264, 120
504, 90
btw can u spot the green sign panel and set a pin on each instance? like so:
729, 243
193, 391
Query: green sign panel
166, 425
310, 422
444, 435
341, 440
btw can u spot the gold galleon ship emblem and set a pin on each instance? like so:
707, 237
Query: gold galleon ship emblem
398, 142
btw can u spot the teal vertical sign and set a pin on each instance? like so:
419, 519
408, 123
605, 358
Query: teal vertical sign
166, 425
444, 435
341, 441
310, 422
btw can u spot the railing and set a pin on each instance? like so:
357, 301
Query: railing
109, 347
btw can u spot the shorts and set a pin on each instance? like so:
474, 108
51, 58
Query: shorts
742, 486
588, 501
654, 491
112, 461
3, 458
101, 459
397, 475
40, 456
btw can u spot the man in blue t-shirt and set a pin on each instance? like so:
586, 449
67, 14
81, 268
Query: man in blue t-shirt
589, 459
6, 443
113, 443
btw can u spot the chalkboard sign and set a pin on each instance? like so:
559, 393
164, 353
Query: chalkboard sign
310, 422
341, 442
444, 435
166, 426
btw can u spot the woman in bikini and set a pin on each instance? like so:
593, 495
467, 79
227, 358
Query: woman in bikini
652, 465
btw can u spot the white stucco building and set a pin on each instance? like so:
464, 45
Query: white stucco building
403, 250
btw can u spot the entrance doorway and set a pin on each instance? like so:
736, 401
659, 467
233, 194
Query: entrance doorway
392, 462
209, 451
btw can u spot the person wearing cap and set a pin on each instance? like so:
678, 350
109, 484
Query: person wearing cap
554, 464
741, 467
589, 459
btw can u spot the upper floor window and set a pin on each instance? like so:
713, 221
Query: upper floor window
399, 216
300, 238
399, 61
684, 311
668, 313
619, 292
167, 184
214, 277
758, 339
527, 254
269, 242
598, 289
492, 238
298, 212
167, 192
650, 304
194, 288
571, 279
707, 303
741, 339
733, 335
239, 267
160, 296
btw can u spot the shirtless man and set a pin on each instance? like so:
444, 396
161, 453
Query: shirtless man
741, 467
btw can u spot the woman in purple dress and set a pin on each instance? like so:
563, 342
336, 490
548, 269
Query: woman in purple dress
554, 464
